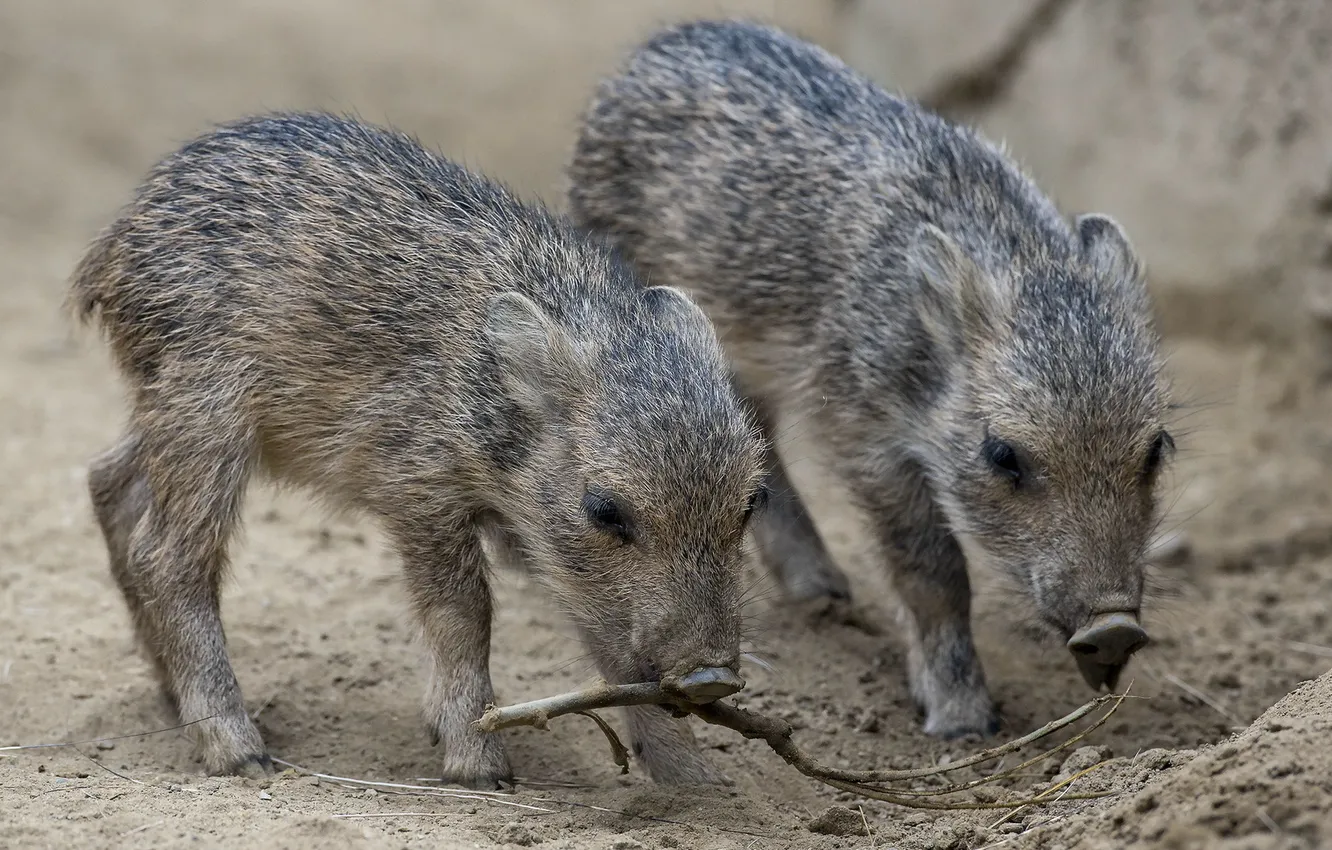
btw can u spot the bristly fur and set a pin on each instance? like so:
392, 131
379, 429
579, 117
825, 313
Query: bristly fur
895, 283
333, 305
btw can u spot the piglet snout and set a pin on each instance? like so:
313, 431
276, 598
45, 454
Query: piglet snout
705, 684
1104, 645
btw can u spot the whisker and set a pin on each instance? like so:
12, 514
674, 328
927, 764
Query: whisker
758, 661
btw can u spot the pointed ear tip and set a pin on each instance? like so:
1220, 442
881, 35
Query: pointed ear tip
1103, 233
1091, 226
662, 290
929, 233
509, 299
675, 301
511, 307
929, 246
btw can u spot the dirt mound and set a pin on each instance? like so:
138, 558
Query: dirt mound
1268, 787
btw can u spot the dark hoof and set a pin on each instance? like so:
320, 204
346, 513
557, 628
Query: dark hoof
252, 767
987, 728
827, 585
479, 783
962, 718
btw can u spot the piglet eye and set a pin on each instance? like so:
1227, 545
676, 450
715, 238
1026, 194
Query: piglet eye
605, 512
1003, 460
757, 500
1162, 446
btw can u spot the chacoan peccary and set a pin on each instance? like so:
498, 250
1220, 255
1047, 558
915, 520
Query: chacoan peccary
328, 304
982, 373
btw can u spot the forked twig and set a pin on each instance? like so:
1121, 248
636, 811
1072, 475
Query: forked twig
618, 751
538, 711
777, 735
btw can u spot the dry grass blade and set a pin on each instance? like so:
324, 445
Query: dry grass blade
1310, 648
417, 790
369, 815
144, 828
777, 734
104, 740
1204, 699
1017, 769
896, 798
1048, 791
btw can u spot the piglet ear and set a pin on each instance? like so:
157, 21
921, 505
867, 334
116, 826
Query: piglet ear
677, 308
955, 300
535, 356
1106, 248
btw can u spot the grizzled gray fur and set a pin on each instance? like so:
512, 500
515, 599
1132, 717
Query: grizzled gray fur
328, 304
983, 374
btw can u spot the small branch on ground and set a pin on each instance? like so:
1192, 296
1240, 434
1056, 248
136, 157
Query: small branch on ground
777, 734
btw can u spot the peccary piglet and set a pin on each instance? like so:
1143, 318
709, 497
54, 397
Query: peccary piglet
328, 304
983, 373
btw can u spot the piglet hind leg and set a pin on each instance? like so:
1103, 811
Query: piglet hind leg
167, 499
789, 544
446, 578
930, 577
121, 496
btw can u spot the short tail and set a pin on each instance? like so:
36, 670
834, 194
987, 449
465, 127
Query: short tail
94, 279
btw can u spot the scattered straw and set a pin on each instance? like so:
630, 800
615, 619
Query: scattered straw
1065, 784
1267, 821
365, 815
494, 797
1310, 648
103, 740
1203, 698
143, 828
107, 769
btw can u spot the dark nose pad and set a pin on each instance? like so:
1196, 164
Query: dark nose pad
705, 684
1104, 646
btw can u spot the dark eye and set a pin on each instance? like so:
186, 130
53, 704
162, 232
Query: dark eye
606, 513
757, 500
1163, 445
1003, 459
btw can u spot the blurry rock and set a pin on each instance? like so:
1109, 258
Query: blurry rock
839, 820
514, 832
1081, 759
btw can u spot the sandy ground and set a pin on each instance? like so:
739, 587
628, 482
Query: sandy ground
91, 93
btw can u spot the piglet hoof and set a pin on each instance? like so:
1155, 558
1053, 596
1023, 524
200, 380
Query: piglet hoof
972, 715
483, 767
254, 766
826, 582
691, 773
230, 745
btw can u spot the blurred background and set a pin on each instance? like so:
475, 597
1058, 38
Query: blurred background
1204, 126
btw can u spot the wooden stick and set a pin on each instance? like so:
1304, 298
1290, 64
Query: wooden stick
537, 712
777, 735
